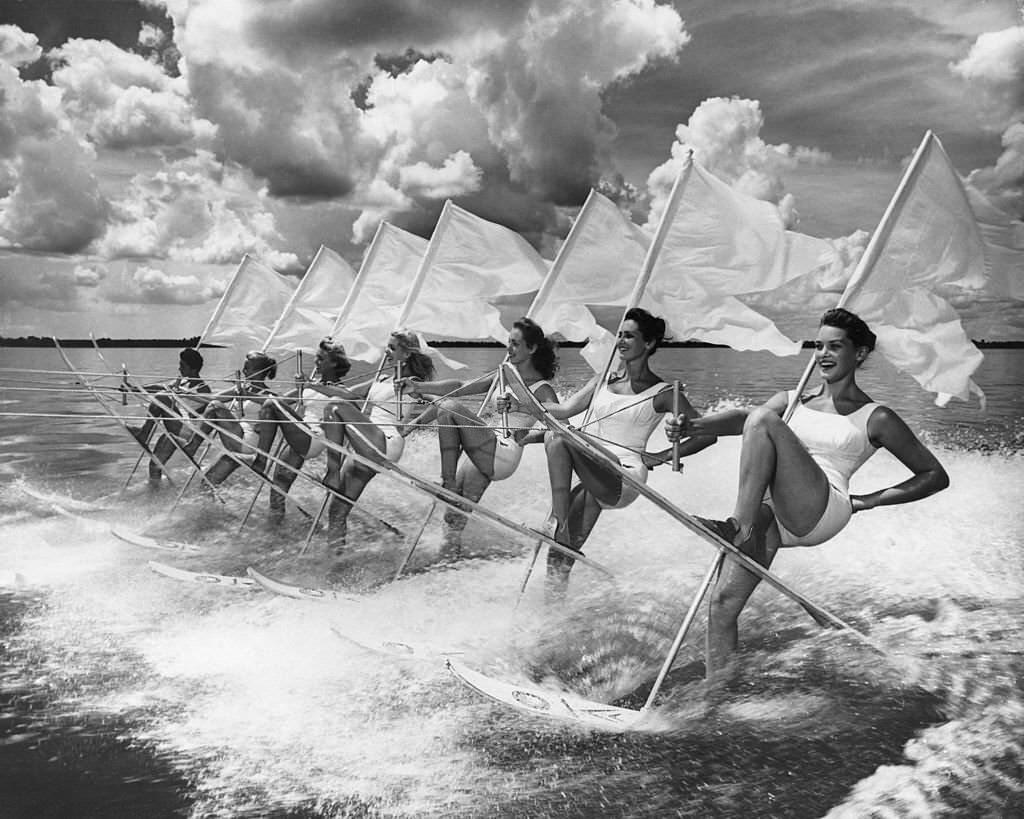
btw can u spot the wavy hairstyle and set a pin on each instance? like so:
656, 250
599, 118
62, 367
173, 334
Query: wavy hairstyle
418, 364
334, 351
652, 328
264, 366
545, 356
856, 328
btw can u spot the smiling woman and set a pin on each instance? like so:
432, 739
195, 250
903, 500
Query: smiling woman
794, 478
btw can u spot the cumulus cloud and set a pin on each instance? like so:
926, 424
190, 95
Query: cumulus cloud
195, 210
151, 285
458, 175
55, 203
49, 193
18, 47
87, 276
540, 91
387, 108
122, 100
1003, 182
724, 135
995, 64
329, 100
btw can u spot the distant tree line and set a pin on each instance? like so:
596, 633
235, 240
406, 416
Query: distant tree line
47, 341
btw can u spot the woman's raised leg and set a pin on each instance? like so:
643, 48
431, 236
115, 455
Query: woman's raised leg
772, 457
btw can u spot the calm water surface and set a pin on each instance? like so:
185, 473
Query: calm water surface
126, 694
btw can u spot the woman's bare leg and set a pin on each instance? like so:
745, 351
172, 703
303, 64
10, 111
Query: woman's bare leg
471, 483
344, 423
284, 476
732, 590
350, 483
461, 430
584, 510
772, 457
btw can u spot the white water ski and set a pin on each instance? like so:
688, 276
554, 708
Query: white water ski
548, 704
395, 648
205, 578
299, 592
147, 542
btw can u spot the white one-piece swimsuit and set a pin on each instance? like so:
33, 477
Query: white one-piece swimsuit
623, 426
839, 444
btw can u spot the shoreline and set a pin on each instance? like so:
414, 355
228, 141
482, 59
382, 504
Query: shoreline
37, 341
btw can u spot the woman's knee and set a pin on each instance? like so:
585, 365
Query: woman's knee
449, 409
333, 412
554, 443
760, 419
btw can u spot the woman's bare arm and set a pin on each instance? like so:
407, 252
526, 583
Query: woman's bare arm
887, 430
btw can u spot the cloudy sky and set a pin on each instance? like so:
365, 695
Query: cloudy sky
146, 145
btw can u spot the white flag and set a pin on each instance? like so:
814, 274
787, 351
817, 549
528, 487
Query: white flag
387, 272
313, 307
249, 308
469, 264
719, 243
596, 265
932, 247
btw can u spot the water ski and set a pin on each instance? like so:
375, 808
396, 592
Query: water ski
205, 578
394, 648
147, 542
548, 704
298, 592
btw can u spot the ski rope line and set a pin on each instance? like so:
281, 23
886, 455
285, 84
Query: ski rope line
312, 384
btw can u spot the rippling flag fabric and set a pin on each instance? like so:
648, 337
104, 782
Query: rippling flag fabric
246, 313
469, 264
926, 250
715, 243
314, 305
375, 300
596, 265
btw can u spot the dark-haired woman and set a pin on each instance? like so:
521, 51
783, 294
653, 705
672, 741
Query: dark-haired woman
805, 467
378, 432
491, 454
625, 409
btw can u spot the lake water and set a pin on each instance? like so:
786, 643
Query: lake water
127, 694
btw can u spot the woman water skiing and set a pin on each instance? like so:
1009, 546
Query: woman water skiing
805, 468
626, 411
241, 429
378, 432
299, 423
170, 406
491, 454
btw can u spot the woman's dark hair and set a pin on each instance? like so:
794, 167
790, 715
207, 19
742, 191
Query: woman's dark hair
190, 357
334, 351
651, 327
544, 358
418, 364
856, 328
264, 366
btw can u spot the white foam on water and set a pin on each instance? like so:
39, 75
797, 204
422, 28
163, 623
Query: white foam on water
262, 706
